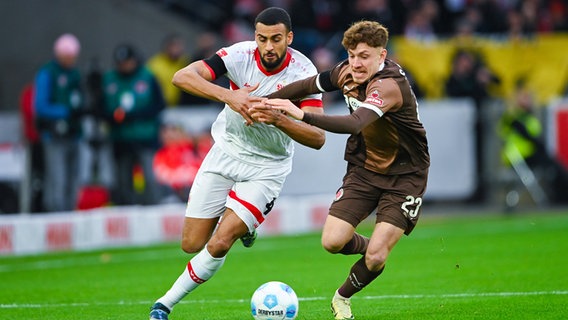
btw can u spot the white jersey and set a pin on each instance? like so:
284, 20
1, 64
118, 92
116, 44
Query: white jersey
259, 143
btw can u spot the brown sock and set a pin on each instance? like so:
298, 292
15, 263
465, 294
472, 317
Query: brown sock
359, 277
357, 244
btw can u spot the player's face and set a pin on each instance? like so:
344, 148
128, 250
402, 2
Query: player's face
365, 61
272, 42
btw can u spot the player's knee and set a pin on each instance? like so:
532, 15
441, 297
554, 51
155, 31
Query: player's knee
332, 246
219, 247
189, 246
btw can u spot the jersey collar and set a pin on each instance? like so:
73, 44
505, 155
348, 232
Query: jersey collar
269, 73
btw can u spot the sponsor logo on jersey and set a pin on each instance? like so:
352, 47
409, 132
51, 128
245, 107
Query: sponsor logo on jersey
375, 99
222, 53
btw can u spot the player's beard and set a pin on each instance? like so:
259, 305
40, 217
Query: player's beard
271, 65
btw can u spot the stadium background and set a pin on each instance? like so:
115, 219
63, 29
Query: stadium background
30, 26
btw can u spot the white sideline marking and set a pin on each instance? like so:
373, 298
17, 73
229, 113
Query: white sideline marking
204, 301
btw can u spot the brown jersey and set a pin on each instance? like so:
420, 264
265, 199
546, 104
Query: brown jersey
396, 142
392, 139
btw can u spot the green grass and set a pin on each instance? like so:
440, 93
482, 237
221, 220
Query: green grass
451, 267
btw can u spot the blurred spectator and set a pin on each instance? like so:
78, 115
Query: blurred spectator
557, 15
492, 13
419, 25
521, 129
518, 28
164, 65
315, 21
470, 77
375, 10
58, 103
34, 150
522, 134
133, 102
177, 161
243, 13
96, 161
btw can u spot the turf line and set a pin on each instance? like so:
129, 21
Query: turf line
209, 301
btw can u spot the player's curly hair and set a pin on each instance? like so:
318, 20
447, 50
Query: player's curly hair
372, 33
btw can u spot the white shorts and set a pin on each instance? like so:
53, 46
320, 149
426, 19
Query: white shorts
225, 182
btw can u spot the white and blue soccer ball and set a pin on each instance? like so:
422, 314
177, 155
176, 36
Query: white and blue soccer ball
274, 300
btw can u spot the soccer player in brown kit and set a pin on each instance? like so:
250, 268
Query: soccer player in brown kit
387, 153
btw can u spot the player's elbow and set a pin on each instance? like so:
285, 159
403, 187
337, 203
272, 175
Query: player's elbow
178, 78
318, 140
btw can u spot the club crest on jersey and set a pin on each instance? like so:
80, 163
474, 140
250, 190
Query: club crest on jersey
279, 86
338, 194
375, 99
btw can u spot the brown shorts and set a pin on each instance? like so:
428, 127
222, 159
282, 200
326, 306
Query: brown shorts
397, 199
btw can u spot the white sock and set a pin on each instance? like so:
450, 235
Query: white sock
199, 269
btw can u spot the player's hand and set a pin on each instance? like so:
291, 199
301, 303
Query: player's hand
286, 106
263, 113
240, 101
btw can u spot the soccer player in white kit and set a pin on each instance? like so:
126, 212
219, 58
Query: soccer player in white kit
244, 171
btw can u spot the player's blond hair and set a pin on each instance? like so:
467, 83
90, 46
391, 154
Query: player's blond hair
372, 33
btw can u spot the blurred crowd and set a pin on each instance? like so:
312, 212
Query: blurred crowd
318, 22
98, 139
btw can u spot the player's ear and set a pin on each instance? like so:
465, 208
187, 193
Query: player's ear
290, 37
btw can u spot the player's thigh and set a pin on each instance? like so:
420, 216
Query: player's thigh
357, 198
400, 204
205, 206
336, 233
253, 200
208, 195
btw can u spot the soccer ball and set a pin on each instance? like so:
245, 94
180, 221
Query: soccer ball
274, 300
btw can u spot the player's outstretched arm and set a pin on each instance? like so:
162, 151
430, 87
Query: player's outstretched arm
286, 106
352, 123
197, 79
301, 132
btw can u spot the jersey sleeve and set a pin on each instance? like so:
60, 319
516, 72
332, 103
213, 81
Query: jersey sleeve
383, 95
352, 123
215, 65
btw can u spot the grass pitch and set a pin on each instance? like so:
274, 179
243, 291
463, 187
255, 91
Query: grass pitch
451, 267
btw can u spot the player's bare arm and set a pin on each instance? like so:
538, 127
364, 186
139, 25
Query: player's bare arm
196, 79
283, 105
301, 132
